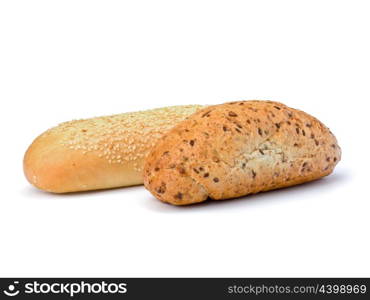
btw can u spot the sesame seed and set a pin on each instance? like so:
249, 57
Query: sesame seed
123, 137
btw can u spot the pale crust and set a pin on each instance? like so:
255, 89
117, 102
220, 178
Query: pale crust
239, 148
98, 153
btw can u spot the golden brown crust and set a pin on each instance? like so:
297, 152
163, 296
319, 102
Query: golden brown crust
239, 148
98, 153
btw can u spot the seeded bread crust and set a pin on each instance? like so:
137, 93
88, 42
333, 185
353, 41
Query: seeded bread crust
98, 153
239, 148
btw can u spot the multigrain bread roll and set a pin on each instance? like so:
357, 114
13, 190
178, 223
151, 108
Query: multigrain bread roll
98, 153
239, 148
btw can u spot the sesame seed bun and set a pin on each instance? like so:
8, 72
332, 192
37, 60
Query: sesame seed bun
98, 153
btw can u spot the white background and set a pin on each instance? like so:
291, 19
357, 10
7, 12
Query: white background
61, 60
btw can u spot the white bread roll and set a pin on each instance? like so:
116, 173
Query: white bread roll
98, 153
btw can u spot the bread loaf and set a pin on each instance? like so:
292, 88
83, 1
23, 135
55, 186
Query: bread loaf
98, 153
239, 148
